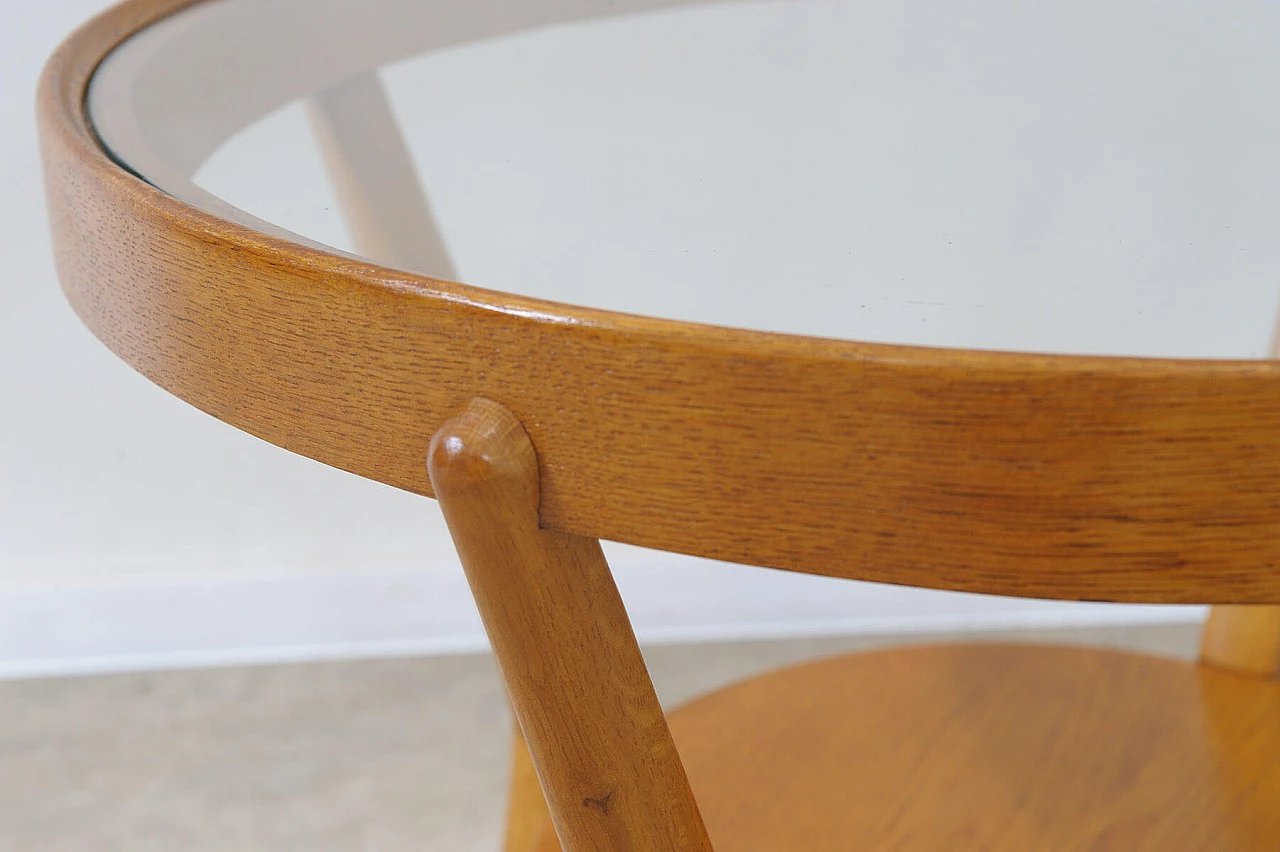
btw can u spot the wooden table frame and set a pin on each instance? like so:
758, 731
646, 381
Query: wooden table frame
1080, 478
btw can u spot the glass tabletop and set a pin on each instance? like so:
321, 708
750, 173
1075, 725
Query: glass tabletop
1091, 177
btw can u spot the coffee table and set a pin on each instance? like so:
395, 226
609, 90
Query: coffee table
970, 298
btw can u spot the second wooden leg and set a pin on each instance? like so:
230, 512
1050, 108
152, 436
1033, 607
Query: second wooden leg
527, 815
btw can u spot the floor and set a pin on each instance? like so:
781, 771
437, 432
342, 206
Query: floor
382, 755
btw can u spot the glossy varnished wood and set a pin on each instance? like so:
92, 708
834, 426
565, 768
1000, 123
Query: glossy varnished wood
578, 685
1048, 476
993, 748
1054, 476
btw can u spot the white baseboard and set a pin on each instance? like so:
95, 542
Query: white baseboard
130, 627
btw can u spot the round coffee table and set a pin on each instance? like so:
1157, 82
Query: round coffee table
971, 297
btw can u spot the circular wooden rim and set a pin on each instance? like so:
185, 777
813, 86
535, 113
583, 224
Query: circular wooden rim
1045, 475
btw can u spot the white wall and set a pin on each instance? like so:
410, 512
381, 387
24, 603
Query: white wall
136, 531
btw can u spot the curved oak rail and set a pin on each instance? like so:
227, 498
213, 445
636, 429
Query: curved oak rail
1054, 476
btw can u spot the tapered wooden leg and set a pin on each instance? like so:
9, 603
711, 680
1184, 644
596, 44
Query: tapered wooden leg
527, 816
382, 200
578, 685
1244, 639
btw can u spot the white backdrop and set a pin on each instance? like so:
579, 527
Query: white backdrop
136, 531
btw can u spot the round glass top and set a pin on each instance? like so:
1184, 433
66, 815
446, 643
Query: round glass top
1093, 177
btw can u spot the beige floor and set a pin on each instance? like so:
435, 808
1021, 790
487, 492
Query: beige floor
380, 755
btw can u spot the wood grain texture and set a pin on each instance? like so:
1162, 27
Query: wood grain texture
990, 748
578, 685
527, 816
1063, 477
1244, 639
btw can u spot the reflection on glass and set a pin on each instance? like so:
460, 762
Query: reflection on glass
1098, 178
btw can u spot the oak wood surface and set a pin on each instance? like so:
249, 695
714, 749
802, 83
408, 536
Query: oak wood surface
1053, 476
527, 815
1244, 639
578, 685
993, 748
